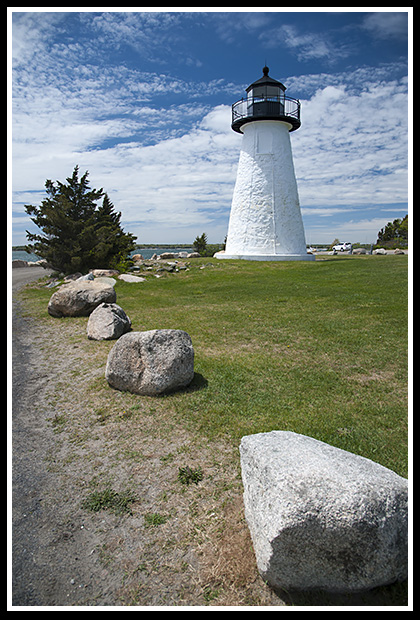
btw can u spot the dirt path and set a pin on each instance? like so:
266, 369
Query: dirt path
50, 564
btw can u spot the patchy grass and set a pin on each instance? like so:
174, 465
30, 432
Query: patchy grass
319, 348
309, 347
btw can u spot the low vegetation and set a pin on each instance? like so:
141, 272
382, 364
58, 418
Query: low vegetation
108, 499
188, 475
317, 348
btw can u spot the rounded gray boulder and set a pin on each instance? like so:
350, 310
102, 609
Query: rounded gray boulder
80, 298
107, 322
151, 362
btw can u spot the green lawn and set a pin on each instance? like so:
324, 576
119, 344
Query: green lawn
319, 348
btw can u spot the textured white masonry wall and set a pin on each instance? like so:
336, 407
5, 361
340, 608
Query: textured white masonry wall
265, 216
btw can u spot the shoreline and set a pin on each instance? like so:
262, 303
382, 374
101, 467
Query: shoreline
19, 263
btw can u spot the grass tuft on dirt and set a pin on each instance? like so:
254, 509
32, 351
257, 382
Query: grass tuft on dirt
108, 499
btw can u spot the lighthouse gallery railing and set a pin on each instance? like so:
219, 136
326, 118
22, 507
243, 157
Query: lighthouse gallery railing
281, 108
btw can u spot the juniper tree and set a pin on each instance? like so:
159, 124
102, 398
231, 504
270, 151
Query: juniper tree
200, 244
112, 244
77, 234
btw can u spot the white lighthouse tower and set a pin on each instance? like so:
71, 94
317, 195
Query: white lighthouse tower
265, 219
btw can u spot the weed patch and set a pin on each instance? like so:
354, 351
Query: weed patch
154, 519
119, 503
186, 475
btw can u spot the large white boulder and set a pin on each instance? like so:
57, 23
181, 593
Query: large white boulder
107, 322
80, 298
322, 518
151, 362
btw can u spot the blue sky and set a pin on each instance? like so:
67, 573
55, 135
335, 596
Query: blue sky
142, 100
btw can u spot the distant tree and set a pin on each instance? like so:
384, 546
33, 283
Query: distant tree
394, 232
200, 244
77, 235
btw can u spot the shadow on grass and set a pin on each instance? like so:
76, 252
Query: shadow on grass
198, 383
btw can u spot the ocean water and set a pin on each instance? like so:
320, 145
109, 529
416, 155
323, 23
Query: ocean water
146, 253
22, 255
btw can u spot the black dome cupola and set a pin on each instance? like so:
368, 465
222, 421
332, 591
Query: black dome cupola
266, 100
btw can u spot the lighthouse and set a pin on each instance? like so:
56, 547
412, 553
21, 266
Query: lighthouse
265, 219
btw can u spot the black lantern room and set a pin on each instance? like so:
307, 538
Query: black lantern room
266, 100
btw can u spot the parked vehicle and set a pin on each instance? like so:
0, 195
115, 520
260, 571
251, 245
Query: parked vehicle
342, 247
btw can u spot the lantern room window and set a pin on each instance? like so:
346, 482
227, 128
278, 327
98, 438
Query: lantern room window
266, 100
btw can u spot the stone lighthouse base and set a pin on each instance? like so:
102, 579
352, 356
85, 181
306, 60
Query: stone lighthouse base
268, 257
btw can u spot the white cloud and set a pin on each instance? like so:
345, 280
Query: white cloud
178, 180
146, 32
307, 45
182, 182
228, 27
386, 25
169, 165
327, 211
353, 148
30, 34
353, 231
346, 153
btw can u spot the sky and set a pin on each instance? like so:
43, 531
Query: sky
142, 101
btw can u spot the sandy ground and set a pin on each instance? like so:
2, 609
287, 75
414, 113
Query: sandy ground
69, 439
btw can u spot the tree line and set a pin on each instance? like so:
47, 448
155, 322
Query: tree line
81, 230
